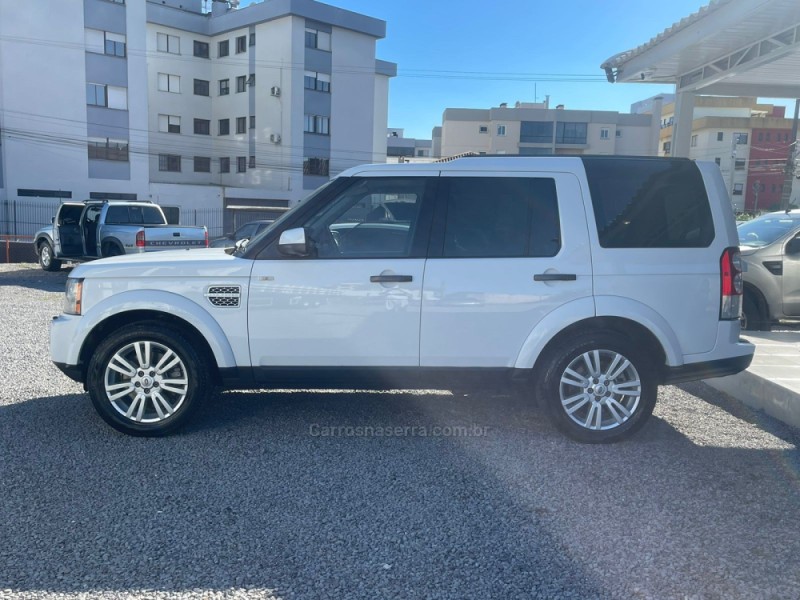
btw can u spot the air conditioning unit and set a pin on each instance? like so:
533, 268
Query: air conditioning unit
275, 91
275, 138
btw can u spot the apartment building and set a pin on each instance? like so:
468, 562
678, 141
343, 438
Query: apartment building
161, 100
749, 141
536, 129
400, 149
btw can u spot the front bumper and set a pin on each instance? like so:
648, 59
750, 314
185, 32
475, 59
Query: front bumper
65, 345
74, 372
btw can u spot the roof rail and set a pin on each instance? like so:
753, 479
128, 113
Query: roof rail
118, 200
456, 157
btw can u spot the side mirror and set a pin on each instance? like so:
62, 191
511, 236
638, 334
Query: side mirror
793, 247
293, 242
53, 220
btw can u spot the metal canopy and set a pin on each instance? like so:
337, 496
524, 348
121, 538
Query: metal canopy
727, 48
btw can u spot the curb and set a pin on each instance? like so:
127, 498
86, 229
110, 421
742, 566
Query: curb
762, 394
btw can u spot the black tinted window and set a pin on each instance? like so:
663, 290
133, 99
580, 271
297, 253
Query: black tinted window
649, 203
501, 216
117, 215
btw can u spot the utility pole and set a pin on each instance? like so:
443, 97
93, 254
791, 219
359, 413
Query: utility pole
734, 142
788, 170
756, 190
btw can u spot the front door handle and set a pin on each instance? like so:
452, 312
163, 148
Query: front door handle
391, 278
555, 277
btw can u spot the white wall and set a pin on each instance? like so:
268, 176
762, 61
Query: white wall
353, 119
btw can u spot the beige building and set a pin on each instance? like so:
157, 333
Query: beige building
749, 141
535, 129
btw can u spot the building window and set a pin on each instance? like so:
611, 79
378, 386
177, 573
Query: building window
739, 164
169, 83
760, 136
224, 87
536, 132
169, 124
108, 96
241, 83
666, 147
317, 124
169, 162
169, 43
252, 163
740, 138
571, 133
201, 49
115, 45
320, 82
501, 130
108, 149
619, 133
202, 164
737, 189
604, 134
252, 79
315, 166
224, 127
241, 44
104, 42
321, 40
252, 121
253, 39
241, 124
202, 127
225, 164
720, 136
241, 164
483, 129
96, 94
718, 160
201, 87
694, 141
223, 49
768, 136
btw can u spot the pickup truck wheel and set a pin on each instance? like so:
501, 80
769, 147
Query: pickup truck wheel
147, 379
753, 317
111, 249
598, 388
47, 259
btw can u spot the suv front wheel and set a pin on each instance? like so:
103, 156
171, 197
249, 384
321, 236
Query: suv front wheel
598, 387
146, 379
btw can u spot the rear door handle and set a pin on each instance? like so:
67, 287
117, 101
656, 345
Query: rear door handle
391, 278
555, 277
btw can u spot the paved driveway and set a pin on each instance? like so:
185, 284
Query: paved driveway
272, 495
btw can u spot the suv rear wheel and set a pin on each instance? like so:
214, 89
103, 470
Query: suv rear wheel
598, 387
147, 379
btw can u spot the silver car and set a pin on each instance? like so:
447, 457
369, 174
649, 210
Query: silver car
770, 247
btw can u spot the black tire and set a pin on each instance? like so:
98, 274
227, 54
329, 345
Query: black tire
150, 415
585, 405
47, 259
753, 317
112, 249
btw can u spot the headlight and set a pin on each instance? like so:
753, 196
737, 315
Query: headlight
74, 294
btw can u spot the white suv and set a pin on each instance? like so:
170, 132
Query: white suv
585, 281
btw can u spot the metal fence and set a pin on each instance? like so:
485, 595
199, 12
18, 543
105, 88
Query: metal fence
21, 219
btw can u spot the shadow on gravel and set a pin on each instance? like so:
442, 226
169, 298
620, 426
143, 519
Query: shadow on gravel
249, 497
35, 278
263, 492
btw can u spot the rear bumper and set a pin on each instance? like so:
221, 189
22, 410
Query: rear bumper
706, 370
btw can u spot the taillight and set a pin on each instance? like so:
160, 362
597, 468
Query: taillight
140, 239
731, 285
206, 238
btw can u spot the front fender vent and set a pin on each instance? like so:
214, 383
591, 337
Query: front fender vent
224, 296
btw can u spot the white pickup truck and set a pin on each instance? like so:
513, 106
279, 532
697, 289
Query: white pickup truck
585, 281
93, 229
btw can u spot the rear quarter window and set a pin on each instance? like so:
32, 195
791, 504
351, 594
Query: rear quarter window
649, 203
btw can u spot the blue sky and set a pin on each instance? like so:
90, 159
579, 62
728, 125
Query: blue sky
455, 54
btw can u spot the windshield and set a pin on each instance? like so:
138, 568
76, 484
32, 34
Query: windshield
765, 230
278, 222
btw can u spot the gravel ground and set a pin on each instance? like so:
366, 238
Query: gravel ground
702, 503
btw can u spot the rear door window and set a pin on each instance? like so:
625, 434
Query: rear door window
117, 215
492, 217
649, 203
